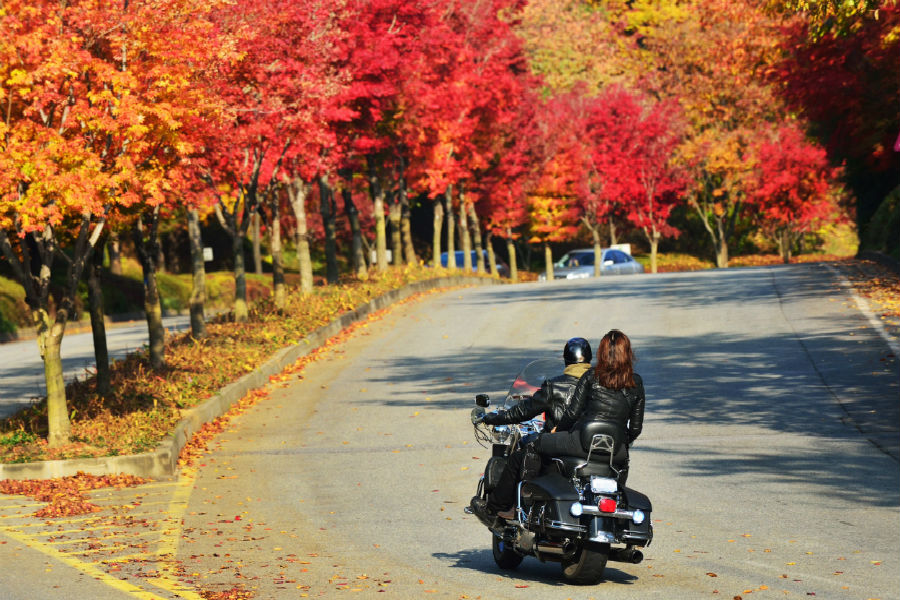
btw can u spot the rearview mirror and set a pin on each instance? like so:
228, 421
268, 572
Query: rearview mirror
483, 400
607, 263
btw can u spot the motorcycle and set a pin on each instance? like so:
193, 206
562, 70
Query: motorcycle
569, 509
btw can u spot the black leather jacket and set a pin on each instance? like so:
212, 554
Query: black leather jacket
592, 402
553, 399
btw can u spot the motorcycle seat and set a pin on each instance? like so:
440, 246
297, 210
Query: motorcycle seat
599, 466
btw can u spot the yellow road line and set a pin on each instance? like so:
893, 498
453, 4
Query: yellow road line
87, 568
168, 543
95, 517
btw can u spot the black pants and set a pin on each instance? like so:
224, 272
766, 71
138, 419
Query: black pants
503, 495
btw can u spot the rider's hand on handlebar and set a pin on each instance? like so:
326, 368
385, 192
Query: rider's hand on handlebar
477, 415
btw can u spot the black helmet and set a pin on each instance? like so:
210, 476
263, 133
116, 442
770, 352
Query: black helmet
577, 350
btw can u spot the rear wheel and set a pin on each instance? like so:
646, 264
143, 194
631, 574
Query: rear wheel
504, 555
587, 566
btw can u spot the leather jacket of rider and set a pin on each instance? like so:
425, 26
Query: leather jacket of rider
552, 398
593, 402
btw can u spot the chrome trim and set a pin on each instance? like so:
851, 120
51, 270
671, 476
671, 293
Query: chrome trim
592, 510
603, 537
566, 526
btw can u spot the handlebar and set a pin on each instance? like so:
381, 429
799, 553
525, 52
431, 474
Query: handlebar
477, 415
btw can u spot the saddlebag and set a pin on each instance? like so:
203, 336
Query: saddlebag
492, 472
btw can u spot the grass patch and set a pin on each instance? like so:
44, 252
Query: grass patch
146, 404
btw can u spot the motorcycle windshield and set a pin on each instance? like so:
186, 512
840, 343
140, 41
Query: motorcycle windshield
529, 380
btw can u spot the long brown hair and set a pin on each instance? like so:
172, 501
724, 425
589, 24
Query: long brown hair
615, 361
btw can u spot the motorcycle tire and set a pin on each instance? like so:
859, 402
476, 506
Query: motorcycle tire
586, 567
504, 555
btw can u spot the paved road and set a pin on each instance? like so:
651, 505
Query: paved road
769, 450
22, 369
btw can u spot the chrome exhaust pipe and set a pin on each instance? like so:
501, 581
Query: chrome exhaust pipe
626, 555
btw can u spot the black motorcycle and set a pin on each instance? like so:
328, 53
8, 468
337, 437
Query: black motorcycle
569, 509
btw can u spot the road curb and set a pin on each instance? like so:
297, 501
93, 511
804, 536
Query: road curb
163, 462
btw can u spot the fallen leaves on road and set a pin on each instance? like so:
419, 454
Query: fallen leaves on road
65, 495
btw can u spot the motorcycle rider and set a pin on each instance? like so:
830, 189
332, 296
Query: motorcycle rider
553, 399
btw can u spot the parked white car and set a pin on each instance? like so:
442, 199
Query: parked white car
578, 264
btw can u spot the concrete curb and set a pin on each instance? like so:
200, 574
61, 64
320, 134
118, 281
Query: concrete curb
163, 462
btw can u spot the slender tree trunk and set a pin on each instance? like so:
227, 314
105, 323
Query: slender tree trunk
548, 259
466, 241
241, 306
476, 235
451, 228
511, 253
786, 244
113, 248
98, 324
146, 243
598, 253
357, 258
198, 270
409, 251
50, 338
492, 258
326, 197
612, 232
255, 226
721, 244
377, 192
278, 287
297, 193
653, 239
394, 215
438, 222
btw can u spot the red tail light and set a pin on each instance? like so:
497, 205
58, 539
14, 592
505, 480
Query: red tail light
607, 505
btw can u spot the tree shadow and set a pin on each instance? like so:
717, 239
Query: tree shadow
531, 570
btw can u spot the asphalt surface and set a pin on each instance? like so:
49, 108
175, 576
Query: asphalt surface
770, 452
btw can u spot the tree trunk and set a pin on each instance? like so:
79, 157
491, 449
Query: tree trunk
50, 335
278, 288
297, 193
241, 307
98, 324
511, 252
113, 248
377, 192
721, 245
492, 258
612, 232
785, 244
357, 258
146, 244
394, 215
451, 228
653, 239
476, 235
598, 253
326, 197
198, 270
255, 226
465, 240
438, 222
409, 251
548, 259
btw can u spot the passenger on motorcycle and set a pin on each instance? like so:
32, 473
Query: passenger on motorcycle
552, 399
610, 395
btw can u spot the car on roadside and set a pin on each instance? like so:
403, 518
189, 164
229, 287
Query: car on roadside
502, 268
579, 264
